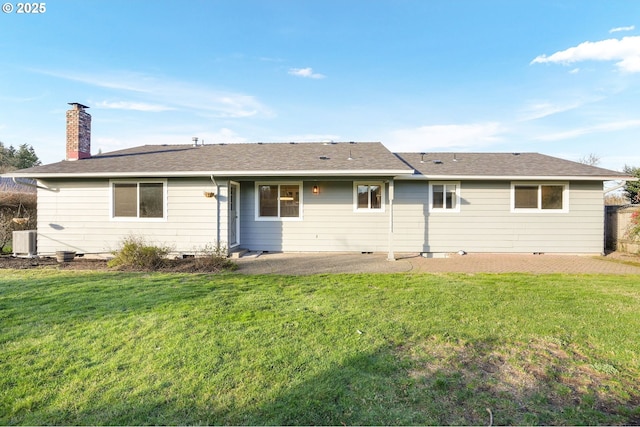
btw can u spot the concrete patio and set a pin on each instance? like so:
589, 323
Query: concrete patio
319, 263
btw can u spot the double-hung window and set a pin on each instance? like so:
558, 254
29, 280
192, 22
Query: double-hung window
444, 197
278, 201
368, 196
143, 200
533, 197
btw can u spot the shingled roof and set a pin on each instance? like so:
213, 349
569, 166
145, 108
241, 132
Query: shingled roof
315, 159
502, 166
257, 159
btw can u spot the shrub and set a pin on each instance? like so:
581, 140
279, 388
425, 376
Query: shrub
213, 258
634, 226
136, 253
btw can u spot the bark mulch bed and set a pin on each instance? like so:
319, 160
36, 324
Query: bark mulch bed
186, 265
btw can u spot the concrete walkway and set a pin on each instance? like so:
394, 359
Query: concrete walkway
319, 263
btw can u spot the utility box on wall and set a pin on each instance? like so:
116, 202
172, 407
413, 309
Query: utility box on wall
24, 243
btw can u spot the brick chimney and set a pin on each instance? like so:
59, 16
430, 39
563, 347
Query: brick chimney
78, 132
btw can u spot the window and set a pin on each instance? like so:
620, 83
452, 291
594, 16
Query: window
369, 197
444, 197
276, 201
539, 197
138, 200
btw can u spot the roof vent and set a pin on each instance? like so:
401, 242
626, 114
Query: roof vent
516, 154
422, 157
351, 142
195, 141
437, 162
350, 156
323, 158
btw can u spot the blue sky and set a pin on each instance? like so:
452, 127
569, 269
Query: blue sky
556, 77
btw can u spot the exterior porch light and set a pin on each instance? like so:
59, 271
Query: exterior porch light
315, 190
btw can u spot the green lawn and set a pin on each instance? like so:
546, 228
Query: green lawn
140, 348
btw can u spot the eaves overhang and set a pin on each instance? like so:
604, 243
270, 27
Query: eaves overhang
421, 177
228, 173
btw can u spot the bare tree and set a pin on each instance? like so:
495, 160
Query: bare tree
591, 160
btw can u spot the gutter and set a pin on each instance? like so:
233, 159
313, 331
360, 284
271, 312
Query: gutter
189, 174
28, 184
617, 187
513, 178
399, 174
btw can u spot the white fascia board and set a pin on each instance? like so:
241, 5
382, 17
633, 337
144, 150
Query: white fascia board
373, 172
511, 178
191, 174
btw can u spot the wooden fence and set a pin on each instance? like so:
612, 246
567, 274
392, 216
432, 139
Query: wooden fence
616, 230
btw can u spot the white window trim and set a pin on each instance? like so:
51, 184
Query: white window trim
137, 218
539, 210
278, 218
369, 210
444, 210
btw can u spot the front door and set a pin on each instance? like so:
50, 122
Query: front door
234, 214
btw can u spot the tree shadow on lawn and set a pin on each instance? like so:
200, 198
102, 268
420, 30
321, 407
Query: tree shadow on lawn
441, 383
431, 383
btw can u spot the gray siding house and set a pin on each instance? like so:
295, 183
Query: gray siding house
315, 197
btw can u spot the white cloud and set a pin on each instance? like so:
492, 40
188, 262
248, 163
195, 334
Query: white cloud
445, 136
223, 135
311, 137
626, 51
136, 106
618, 29
119, 80
171, 94
168, 135
604, 127
306, 72
540, 109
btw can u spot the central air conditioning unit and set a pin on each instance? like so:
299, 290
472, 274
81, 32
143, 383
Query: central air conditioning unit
24, 243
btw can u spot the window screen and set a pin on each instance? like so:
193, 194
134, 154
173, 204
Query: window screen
125, 199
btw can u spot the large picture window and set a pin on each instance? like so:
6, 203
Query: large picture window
444, 197
539, 197
138, 200
276, 201
369, 196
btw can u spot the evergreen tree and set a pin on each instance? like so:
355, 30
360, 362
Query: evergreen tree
5, 158
632, 188
25, 157
12, 159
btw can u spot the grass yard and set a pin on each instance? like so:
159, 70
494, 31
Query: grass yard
139, 348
